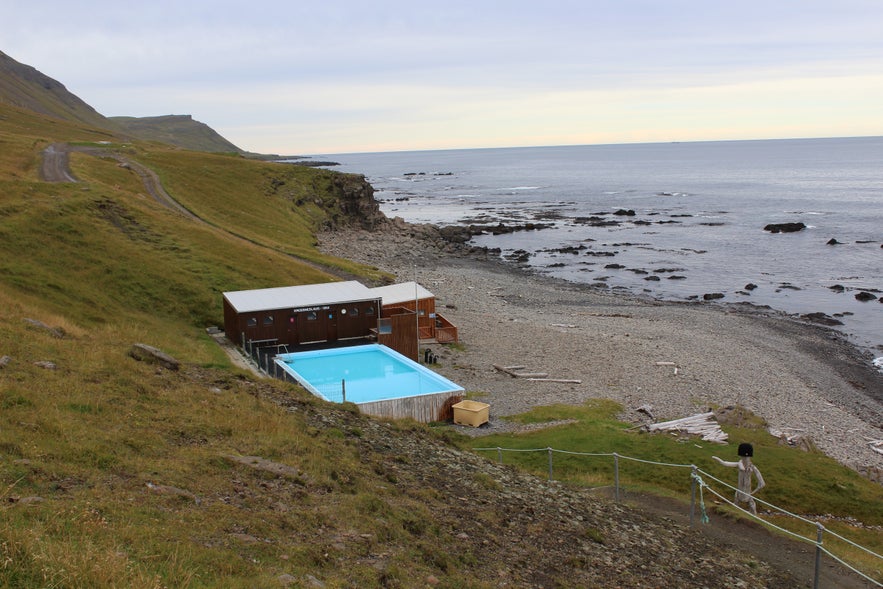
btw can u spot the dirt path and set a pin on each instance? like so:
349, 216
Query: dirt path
785, 554
54, 167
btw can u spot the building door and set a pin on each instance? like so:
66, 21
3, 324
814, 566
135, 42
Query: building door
331, 314
291, 330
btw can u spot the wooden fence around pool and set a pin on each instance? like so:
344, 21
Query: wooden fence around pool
422, 408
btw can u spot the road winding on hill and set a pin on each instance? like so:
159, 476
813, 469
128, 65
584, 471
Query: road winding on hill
56, 168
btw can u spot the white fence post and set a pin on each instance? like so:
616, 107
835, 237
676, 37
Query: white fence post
821, 530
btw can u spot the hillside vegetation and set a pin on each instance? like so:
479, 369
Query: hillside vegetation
179, 130
25, 87
117, 472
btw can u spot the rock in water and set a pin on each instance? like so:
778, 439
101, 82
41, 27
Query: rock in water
784, 227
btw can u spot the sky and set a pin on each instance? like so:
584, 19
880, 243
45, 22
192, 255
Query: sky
341, 76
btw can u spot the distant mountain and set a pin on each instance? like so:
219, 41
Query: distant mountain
180, 130
25, 87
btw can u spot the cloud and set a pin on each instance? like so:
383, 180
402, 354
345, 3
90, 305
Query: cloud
393, 73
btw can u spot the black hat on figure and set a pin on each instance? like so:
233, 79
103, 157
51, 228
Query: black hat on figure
746, 450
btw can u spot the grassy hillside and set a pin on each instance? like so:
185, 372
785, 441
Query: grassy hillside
104, 266
117, 472
179, 130
23, 86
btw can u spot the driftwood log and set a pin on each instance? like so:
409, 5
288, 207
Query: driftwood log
671, 364
513, 371
702, 424
560, 380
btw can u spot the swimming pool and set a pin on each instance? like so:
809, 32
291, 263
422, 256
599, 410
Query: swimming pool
370, 373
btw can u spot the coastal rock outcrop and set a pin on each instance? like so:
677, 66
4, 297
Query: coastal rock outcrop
821, 319
358, 206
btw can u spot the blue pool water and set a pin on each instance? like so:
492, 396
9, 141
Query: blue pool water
372, 372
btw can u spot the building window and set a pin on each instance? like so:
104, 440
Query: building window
369, 311
312, 316
268, 320
355, 312
252, 322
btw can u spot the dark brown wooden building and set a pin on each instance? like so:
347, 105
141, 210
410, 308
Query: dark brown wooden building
297, 315
398, 316
411, 297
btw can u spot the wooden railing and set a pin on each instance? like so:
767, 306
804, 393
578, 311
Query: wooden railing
445, 331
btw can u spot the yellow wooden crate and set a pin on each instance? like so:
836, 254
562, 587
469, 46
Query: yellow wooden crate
471, 413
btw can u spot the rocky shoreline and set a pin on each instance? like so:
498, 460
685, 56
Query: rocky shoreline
805, 380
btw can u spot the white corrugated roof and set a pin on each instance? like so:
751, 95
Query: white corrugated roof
306, 295
400, 293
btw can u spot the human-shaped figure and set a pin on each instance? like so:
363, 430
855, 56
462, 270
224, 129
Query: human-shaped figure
746, 470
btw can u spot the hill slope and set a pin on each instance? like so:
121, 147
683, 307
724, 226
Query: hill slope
25, 87
180, 130
118, 472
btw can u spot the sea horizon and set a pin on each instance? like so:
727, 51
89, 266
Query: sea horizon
674, 220
568, 145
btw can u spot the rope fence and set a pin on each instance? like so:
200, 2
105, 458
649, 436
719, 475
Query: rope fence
698, 484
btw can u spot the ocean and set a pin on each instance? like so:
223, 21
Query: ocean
674, 221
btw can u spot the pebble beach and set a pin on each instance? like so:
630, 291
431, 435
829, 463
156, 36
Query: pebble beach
671, 360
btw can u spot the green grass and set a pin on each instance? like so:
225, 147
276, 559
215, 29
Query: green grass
798, 481
109, 266
273, 205
104, 262
807, 484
